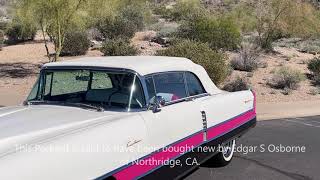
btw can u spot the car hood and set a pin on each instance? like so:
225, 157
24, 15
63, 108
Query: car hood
36, 123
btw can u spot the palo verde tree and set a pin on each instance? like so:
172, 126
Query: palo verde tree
55, 18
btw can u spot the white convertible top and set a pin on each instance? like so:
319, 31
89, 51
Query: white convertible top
144, 65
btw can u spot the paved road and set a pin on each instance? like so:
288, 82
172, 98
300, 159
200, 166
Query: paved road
295, 132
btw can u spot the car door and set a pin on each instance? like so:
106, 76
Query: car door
179, 119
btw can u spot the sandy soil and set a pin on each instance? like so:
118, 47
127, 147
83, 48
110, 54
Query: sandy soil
142, 42
20, 64
286, 57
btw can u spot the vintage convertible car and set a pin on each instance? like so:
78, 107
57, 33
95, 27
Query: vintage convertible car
121, 118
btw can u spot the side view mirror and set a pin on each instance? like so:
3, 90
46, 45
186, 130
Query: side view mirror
158, 103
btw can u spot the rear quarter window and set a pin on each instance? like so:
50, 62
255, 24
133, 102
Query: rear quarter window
194, 85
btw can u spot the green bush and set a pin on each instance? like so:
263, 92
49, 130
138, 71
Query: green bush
186, 10
1, 39
239, 84
133, 14
75, 44
119, 47
123, 25
220, 33
200, 53
3, 25
265, 41
286, 78
314, 67
116, 28
243, 13
20, 32
162, 10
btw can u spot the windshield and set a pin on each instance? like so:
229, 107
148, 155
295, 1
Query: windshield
101, 88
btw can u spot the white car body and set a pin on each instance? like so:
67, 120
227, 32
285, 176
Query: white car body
63, 142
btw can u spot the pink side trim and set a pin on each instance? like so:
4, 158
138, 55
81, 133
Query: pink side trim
228, 126
136, 170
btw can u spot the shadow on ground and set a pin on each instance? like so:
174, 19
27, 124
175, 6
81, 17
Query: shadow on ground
18, 70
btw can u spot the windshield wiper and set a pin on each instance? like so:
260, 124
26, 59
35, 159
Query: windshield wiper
35, 102
82, 105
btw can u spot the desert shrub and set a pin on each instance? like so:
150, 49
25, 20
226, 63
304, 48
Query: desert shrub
200, 53
217, 32
119, 47
311, 46
1, 39
314, 67
247, 59
162, 10
285, 18
286, 78
186, 10
116, 28
314, 91
3, 25
238, 84
244, 17
133, 14
266, 40
167, 30
94, 34
19, 32
123, 25
75, 44
316, 79
301, 20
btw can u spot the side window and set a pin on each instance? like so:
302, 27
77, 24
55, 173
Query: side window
151, 90
194, 85
170, 86
101, 80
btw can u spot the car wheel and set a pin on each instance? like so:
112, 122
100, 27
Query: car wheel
225, 156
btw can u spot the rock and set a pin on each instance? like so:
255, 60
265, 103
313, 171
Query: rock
95, 44
160, 40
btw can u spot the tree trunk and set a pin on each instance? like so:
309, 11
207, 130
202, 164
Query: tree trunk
45, 41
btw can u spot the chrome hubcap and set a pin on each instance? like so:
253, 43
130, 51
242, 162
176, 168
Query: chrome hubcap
228, 148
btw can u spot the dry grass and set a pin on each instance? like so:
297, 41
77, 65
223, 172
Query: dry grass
261, 76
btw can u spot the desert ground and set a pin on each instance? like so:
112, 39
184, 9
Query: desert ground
20, 64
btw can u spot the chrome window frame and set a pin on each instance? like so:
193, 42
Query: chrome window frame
185, 99
140, 77
98, 68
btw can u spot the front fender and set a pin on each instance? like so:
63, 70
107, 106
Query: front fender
85, 154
